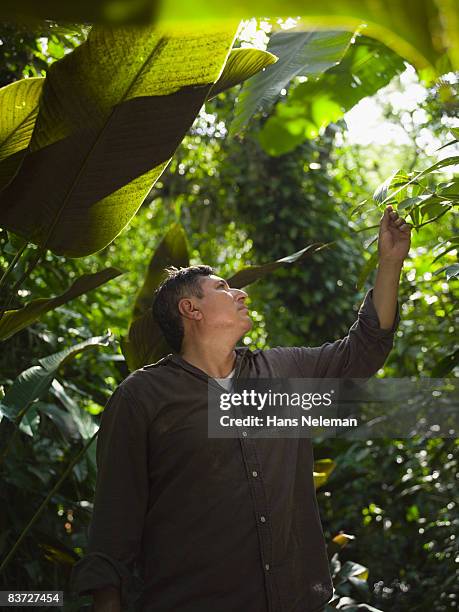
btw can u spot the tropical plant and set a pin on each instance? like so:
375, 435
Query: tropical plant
423, 199
22, 412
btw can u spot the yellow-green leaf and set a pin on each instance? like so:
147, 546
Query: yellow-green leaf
19, 104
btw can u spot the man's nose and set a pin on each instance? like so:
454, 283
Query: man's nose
239, 295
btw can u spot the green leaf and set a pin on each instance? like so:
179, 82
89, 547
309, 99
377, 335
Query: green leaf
19, 104
250, 274
62, 419
172, 251
55, 550
451, 271
300, 53
15, 320
454, 245
83, 11
83, 421
112, 113
53, 362
421, 31
381, 192
322, 470
450, 190
34, 382
443, 163
277, 137
241, 65
337, 543
145, 342
413, 202
455, 132
366, 67
354, 570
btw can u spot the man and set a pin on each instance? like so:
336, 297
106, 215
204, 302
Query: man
219, 525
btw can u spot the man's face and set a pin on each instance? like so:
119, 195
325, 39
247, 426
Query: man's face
223, 307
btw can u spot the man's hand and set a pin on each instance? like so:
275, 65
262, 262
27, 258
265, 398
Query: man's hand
394, 237
393, 246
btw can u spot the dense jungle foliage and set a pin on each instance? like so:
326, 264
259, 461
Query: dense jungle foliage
254, 177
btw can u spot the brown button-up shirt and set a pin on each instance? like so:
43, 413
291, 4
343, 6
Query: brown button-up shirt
187, 523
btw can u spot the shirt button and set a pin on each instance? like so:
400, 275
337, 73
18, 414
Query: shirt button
263, 518
267, 567
244, 433
254, 473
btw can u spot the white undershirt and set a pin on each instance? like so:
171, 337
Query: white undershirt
226, 382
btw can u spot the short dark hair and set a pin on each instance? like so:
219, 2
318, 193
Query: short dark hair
179, 283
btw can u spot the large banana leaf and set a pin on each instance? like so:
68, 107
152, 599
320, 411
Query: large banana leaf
419, 30
366, 67
172, 248
13, 321
111, 115
145, 342
19, 104
300, 53
89, 11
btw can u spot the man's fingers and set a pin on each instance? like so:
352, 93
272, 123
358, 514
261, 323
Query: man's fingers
385, 219
390, 215
405, 227
399, 222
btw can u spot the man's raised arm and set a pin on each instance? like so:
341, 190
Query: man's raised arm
365, 349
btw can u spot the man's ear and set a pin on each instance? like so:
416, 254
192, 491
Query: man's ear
187, 309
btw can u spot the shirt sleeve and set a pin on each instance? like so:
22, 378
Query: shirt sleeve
360, 354
120, 502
